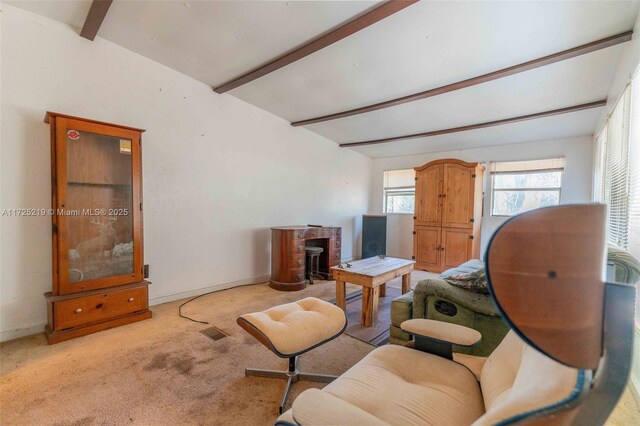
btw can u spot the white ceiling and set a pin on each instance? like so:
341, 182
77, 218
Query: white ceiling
426, 45
575, 81
556, 127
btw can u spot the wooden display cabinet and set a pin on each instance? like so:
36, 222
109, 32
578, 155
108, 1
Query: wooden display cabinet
96, 188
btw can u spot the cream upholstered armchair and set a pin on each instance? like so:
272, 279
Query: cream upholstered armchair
564, 361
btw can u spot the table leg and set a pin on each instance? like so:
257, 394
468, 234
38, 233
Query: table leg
370, 298
406, 283
341, 295
383, 290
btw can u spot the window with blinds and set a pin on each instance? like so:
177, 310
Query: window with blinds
616, 188
520, 186
617, 172
599, 157
399, 191
633, 217
633, 244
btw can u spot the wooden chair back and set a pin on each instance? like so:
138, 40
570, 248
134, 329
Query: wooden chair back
546, 272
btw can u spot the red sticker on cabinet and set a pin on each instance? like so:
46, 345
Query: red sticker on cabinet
74, 135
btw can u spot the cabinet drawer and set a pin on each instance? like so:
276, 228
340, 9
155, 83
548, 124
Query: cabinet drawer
317, 233
296, 275
297, 248
99, 307
335, 255
337, 243
297, 261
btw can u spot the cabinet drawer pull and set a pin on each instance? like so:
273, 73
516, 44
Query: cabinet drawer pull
299, 261
300, 275
77, 311
131, 299
300, 248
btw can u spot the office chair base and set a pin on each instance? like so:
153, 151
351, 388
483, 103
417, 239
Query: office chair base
292, 375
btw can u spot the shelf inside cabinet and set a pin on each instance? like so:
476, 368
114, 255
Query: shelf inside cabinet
116, 185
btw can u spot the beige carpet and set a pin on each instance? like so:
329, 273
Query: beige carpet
164, 372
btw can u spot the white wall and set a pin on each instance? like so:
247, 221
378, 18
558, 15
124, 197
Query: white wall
218, 172
576, 181
629, 59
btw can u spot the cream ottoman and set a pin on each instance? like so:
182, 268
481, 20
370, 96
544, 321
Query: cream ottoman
292, 329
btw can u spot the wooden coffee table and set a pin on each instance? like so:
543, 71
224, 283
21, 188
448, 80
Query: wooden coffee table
372, 274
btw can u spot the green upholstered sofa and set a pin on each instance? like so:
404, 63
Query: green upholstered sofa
436, 299
626, 268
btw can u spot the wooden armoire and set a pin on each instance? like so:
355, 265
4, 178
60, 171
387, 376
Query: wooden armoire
448, 214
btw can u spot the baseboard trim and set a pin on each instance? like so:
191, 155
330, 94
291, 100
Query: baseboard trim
6, 335
216, 287
635, 390
634, 381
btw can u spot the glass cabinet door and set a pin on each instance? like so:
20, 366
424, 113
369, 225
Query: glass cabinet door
98, 222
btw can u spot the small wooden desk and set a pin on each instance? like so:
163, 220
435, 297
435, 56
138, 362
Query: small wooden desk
372, 274
288, 253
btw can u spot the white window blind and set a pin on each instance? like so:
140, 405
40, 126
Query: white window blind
400, 178
616, 187
599, 158
633, 245
528, 165
617, 172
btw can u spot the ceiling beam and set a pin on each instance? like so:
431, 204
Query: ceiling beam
96, 15
505, 72
537, 115
345, 30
